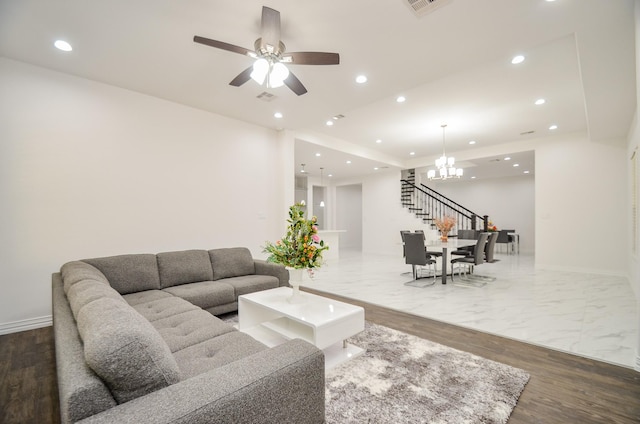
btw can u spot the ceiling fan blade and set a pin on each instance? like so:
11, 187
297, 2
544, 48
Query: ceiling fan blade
242, 77
270, 29
224, 46
312, 58
294, 84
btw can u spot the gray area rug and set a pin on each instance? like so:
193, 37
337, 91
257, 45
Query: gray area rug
405, 379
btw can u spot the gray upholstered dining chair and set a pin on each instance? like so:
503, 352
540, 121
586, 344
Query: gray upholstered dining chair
402, 233
476, 259
506, 239
417, 256
429, 252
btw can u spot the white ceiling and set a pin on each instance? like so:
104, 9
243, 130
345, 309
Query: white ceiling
453, 66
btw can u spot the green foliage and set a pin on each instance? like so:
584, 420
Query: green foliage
301, 247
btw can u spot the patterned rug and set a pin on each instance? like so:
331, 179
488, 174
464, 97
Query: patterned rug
406, 379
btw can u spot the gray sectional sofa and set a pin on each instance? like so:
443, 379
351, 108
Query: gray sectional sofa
137, 342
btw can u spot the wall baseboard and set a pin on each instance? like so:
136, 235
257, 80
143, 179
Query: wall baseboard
622, 273
26, 324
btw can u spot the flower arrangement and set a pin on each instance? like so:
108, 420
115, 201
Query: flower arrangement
491, 227
445, 224
301, 247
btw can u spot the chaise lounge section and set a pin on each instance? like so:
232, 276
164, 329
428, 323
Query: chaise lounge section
137, 341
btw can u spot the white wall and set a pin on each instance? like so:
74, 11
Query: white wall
349, 215
92, 170
509, 202
581, 206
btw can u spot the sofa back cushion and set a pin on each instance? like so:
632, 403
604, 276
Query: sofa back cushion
231, 262
183, 267
129, 273
124, 350
87, 291
76, 271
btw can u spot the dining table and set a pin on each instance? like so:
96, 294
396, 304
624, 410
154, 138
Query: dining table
446, 247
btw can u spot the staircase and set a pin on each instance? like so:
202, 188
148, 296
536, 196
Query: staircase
427, 204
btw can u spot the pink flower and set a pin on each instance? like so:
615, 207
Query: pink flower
316, 238
315, 228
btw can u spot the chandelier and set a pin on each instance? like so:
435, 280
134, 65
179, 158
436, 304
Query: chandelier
445, 165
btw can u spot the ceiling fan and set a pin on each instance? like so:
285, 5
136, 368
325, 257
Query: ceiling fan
271, 58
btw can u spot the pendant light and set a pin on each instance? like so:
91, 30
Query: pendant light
445, 165
322, 185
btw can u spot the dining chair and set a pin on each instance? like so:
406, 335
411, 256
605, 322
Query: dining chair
429, 252
503, 238
402, 233
470, 261
490, 248
417, 256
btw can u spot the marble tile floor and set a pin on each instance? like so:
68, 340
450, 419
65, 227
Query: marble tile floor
589, 315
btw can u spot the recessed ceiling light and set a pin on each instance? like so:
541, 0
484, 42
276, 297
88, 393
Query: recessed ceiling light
553, 127
318, 155
517, 59
277, 115
526, 172
330, 175
473, 178
348, 162
412, 153
401, 99
361, 79
507, 158
63, 45
540, 102
515, 165
472, 142
378, 141
329, 123
376, 168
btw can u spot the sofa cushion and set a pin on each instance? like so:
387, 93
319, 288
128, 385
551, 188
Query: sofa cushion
75, 271
129, 273
187, 266
231, 262
163, 308
124, 350
87, 291
190, 328
205, 294
252, 283
216, 352
145, 296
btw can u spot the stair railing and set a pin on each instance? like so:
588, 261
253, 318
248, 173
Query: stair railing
428, 204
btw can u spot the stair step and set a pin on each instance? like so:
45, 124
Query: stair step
422, 214
415, 209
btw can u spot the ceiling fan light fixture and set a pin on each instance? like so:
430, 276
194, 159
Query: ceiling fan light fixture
278, 74
260, 70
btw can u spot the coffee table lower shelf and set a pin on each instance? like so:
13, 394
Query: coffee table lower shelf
334, 355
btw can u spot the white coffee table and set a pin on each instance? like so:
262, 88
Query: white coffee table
326, 323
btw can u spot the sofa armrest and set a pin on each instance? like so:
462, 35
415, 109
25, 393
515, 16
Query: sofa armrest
284, 384
276, 270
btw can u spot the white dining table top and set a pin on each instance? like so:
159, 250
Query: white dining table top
451, 243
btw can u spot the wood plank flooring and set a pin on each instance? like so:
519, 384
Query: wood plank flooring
563, 388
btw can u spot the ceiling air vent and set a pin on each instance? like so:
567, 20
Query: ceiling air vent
266, 97
423, 7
